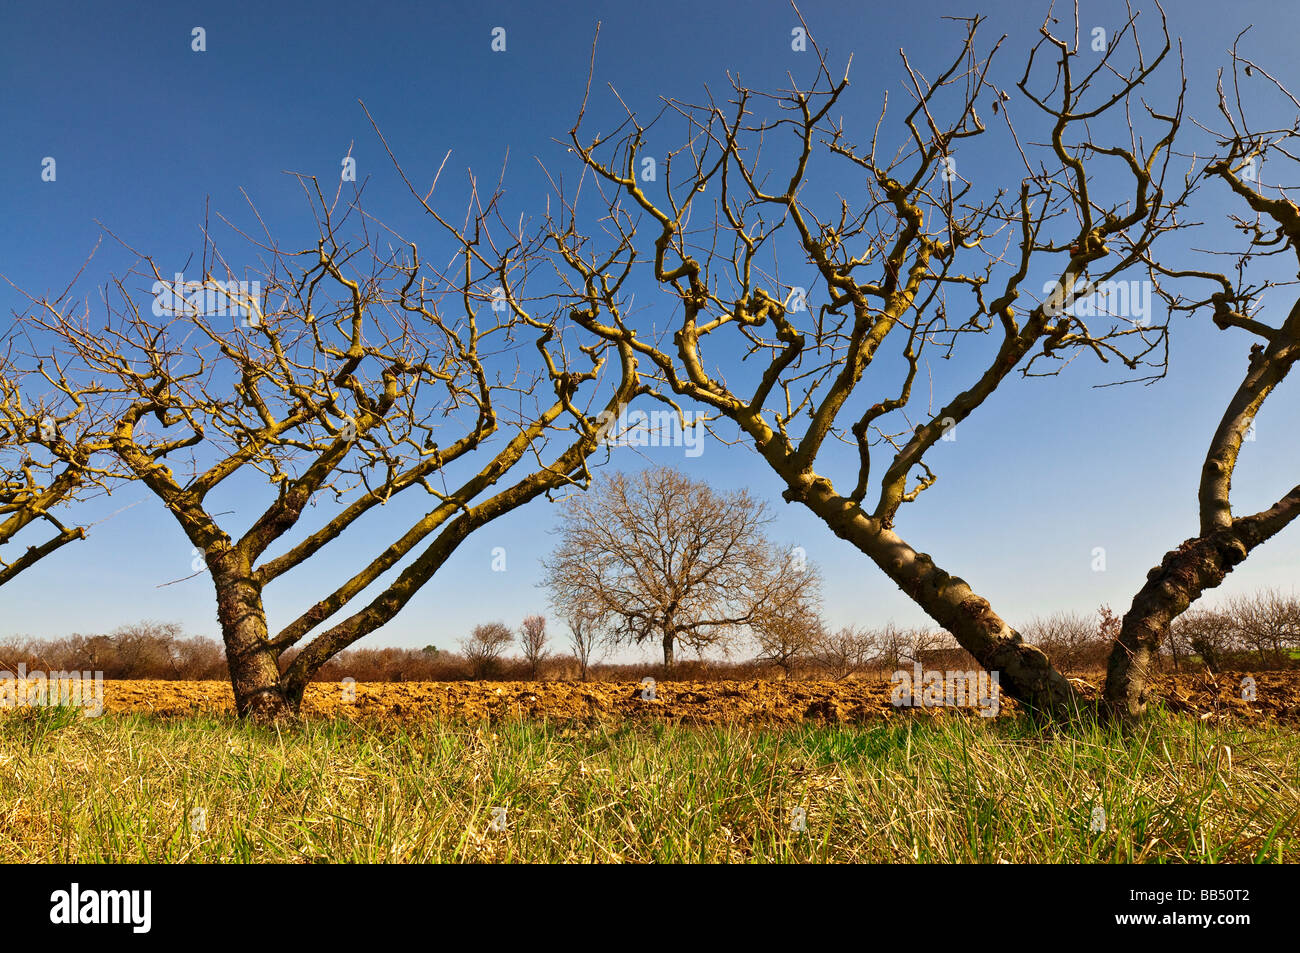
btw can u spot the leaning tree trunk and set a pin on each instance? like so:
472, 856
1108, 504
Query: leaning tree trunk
1170, 588
1024, 671
1203, 561
1200, 563
254, 670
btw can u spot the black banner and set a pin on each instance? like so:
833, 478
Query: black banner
142, 904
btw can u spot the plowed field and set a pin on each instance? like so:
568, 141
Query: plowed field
1277, 697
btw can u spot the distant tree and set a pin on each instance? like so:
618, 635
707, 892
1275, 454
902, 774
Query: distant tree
584, 636
789, 627
532, 639
1066, 637
892, 647
845, 651
96, 653
148, 648
1205, 633
484, 647
919, 643
658, 555
788, 640
1267, 622
199, 658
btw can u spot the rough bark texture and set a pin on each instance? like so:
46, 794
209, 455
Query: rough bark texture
1170, 588
254, 672
1025, 672
1200, 563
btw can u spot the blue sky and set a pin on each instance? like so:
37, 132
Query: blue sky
147, 132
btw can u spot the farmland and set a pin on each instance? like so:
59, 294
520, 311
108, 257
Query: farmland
754, 701
714, 772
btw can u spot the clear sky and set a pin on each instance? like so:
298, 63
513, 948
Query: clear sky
147, 132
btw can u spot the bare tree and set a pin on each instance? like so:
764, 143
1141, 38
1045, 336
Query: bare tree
345, 374
1267, 622
1270, 228
920, 258
532, 639
199, 658
94, 652
484, 647
584, 636
845, 651
149, 645
922, 642
789, 625
1068, 638
890, 647
661, 556
788, 639
1205, 633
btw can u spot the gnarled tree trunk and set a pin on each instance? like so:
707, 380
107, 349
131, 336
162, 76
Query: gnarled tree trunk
1024, 671
1200, 563
1225, 540
254, 669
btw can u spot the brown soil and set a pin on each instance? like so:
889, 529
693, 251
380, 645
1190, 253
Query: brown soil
777, 702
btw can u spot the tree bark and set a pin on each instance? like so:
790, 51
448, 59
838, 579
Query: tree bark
1200, 563
668, 651
1024, 671
253, 662
1203, 561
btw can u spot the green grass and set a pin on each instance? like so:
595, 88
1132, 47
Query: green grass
123, 789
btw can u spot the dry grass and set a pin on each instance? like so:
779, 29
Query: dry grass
126, 788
